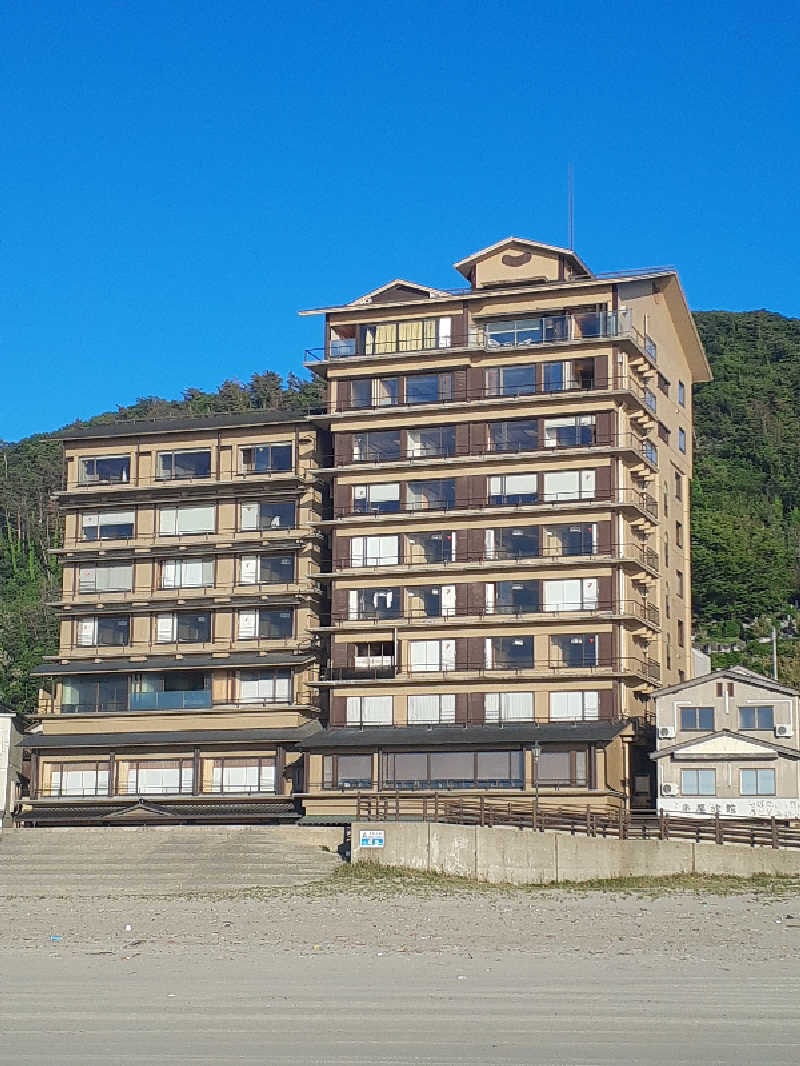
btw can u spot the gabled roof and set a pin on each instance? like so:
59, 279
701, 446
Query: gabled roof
425, 290
755, 742
463, 265
730, 673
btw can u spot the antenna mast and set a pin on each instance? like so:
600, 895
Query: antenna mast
571, 207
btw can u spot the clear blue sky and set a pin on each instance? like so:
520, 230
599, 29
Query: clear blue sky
178, 179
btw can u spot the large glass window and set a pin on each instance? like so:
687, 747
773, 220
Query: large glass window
432, 547
511, 380
184, 627
452, 769
377, 446
574, 706
373, 655
268, 514
698, 783
187, 521
266, 458
266, 569
108, 525
382, 498
106, 577
105, 470
374, 392
756, 718
512, 542
432, 601
697, 718
429, 388
578, 650
154, 776
184, 464
239, 775
347, 772
107, 694
369, 710
572, 432
265, 686
757, 782
75, 778
570, 594
432, 709
513, 489
508, 707
408, 336
104, 631
431, 495
517, 436
375, 551
187, 573
508, 653
431, 656
171, 690
374, 603
556, 768
266, 623
513, 597
578, 539
435, 441
568, 485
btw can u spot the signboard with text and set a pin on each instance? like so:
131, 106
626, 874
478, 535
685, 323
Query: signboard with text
370, 838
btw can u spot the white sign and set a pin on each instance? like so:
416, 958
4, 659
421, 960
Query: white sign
370, 838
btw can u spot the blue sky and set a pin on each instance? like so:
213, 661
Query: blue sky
177, 180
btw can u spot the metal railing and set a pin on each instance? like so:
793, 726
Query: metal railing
165, 647
462, 718
640, 609
184, 480
161, 701
546, 668
523, 333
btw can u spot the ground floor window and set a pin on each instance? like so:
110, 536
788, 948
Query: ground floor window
562, 767
154, 777
452, 769
75, 779
347, 771
239, 775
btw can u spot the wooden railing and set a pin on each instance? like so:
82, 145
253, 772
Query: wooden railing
620, 824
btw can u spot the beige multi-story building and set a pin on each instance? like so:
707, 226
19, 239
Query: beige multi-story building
510, 571
188, 612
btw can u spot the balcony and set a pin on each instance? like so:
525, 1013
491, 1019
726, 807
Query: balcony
171, 701
510, 335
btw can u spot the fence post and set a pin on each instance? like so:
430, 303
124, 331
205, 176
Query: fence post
774, 828
397, 805
589, 832
481, 810
533, 816
436, 806
717, 828
424, 808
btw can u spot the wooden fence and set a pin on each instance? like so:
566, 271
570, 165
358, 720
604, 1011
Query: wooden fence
622, 824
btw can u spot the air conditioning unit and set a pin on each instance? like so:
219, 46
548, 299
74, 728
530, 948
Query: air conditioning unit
668, 789
666, 732
784, 731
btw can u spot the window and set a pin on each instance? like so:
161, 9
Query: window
668, 649
265, 686
511, 333
681, 394
408, 336
376, 499
678, 486
574, 706
360, 392
680, 633
574, 651
666, 549
429, 388
650, 400
75, 779
512, 597
663, 384
507, 707
697, 718
580, 539
425, 548
679, 534
184, 627
374, 392
556, 768
512, 542
107, 631
757, 782
188, 464
431, 656
369, 710
572, 594
377, 446
650, 452
272, 514
569, 485
437, 442
573, 432
106, 577
266, 458
375, 551
346, 771
186, 521
155, 776
433, 495
511, 381
266, 570
507, 653
518, 436
569, 375
187, 573
432, 601
682, 440
107, 694
437, 709
663, 433
512, 488
666, 501
105, 470
698, 783
239, 775
108, 525
373, 654
757, 718
266, 623
409, 770
170, 691
679, 576
375, 603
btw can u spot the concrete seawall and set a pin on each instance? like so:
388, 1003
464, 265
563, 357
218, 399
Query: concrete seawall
521, 856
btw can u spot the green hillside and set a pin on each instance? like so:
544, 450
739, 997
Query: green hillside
746, 496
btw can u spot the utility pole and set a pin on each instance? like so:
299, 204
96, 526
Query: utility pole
774, 654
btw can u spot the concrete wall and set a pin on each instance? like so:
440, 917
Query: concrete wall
520, 856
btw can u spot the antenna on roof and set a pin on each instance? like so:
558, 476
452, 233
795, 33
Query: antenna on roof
571, 207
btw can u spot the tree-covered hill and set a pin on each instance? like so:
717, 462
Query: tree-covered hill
746, 495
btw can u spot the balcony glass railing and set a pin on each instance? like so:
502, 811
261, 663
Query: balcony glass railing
170, 701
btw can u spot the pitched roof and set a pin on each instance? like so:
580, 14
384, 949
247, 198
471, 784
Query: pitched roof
792, 753
463, 265
255, 416
729, 673
167, 738
166, 662
369, 297
452, 736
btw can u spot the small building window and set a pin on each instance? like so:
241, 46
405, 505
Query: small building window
682, 440
663, 384
757, 782
680, 634
679, 576
681, 394
678, 485
698, 782
697, 719
678, 534
756, 718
